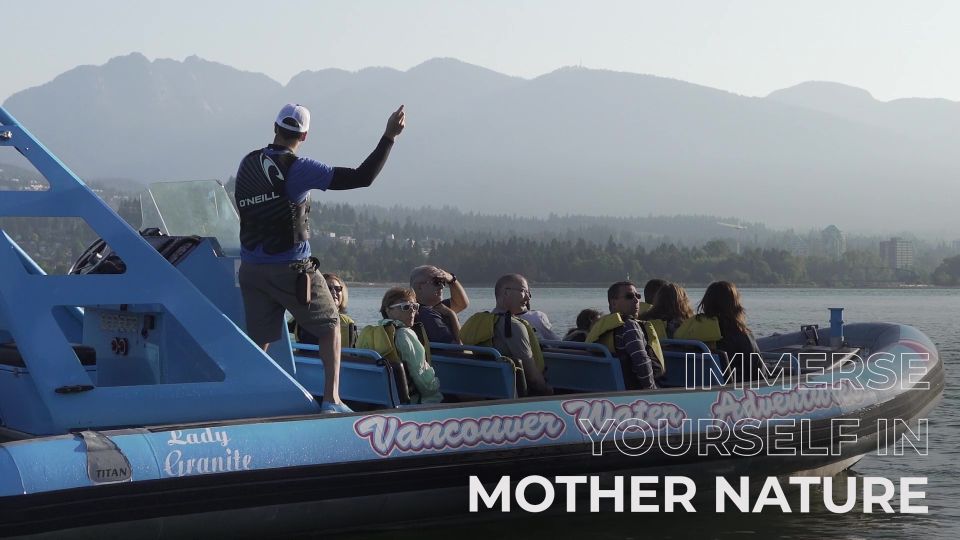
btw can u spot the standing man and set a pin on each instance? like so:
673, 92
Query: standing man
276, 270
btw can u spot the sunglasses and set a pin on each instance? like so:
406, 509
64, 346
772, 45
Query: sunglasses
405, 306
439, 282
335, 288
634, 296
522, 291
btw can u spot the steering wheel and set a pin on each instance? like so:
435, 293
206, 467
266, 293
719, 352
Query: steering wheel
90, 259
100, 259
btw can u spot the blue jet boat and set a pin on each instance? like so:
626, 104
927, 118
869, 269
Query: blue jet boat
131, 402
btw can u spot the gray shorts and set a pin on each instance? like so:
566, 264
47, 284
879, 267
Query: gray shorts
269, 289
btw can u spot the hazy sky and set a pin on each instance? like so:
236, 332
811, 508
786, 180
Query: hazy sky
890, 48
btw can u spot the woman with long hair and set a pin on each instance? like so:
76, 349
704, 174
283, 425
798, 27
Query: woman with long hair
722, 300
341, 296
672, 306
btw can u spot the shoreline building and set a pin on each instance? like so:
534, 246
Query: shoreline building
897, 253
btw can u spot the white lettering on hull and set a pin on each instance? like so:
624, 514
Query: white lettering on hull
180, 463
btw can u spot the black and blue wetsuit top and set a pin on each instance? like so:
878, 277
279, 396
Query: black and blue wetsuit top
271, 184
282, 186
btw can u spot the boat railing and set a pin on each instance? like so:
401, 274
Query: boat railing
365, 376
479, 372
691, 364
368, 378
581, 367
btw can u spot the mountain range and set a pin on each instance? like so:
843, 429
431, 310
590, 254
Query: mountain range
574, 140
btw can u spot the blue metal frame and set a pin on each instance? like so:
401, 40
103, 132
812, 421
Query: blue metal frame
31, 310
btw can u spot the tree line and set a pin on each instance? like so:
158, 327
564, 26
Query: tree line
581, 262
388, 245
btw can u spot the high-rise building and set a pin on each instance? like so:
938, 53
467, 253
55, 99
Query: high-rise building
897, 253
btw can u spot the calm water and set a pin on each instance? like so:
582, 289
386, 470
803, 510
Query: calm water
935, 312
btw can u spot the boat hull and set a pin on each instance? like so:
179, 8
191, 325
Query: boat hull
413, 486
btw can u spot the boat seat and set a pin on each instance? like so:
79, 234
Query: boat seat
365, 376
475, 371
10, 355
581, 367
691, 364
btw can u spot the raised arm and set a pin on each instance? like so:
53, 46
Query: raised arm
459, 300
364, 175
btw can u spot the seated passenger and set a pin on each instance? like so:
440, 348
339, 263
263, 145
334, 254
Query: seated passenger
509, 334
650, 294
634, 342
539, 321
722, 300
398, 339
585, 320
438, 316
671, 308
348, 328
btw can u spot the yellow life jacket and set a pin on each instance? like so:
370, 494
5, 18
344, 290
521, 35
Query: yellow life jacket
478, 330
660, 326
645, 307
700, 328
602, 332
348, 331
381, 338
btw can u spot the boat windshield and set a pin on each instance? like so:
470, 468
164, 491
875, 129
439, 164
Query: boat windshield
200, 207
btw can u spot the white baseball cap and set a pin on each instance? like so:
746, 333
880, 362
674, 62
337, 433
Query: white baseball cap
294, 117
